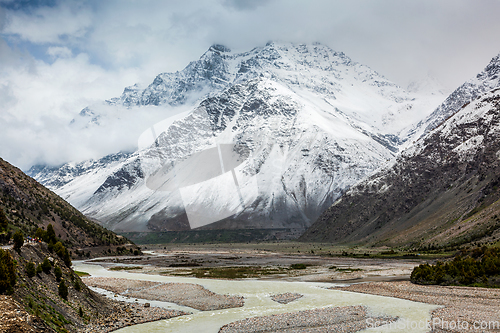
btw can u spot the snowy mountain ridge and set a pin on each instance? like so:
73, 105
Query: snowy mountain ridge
484, 82
307, 69
270, 138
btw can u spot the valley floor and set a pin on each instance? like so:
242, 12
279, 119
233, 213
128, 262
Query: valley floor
460, 309
261, 263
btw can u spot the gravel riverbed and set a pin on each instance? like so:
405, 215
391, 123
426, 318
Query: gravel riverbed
186, 294
465, 309
345, 319
286, 297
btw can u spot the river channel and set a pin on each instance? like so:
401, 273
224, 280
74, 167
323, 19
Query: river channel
258, 303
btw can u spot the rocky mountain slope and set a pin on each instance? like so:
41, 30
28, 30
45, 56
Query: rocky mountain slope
442, 191
28, 205
262, 139
36, 298
42, 292
53, 298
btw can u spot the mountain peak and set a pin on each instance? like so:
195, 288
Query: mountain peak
492, 70
219, 48
218, 67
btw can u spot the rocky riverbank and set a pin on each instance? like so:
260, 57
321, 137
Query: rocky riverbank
113, 315
126, 314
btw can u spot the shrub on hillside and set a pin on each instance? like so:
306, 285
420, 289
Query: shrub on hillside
63, 290
50, 235
30, 269
46, 266
40, 233
4, 223
58, 273
18, 239
77, 285
63, 253
7, 272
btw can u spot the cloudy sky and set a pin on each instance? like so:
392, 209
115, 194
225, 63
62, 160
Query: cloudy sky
56, 57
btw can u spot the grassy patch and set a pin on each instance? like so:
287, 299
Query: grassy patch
235, 272
184, 264
82, 273
424, 255
47, 313
298, 266
346, 270
124, 268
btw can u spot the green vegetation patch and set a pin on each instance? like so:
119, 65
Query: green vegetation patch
7, 272
298, 266
82, 273
479, 267
4, 223
124, 268
235, 272
347, 269
54, 244
47, 313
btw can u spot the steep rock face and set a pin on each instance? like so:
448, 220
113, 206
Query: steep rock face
273, 137
442, 191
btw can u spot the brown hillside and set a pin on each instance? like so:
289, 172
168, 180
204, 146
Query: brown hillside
28, 206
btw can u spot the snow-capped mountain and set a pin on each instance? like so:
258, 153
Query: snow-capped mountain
262, 139
442, 191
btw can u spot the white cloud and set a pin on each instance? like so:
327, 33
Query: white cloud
49, 24
59, 52
56, 60
39, 105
